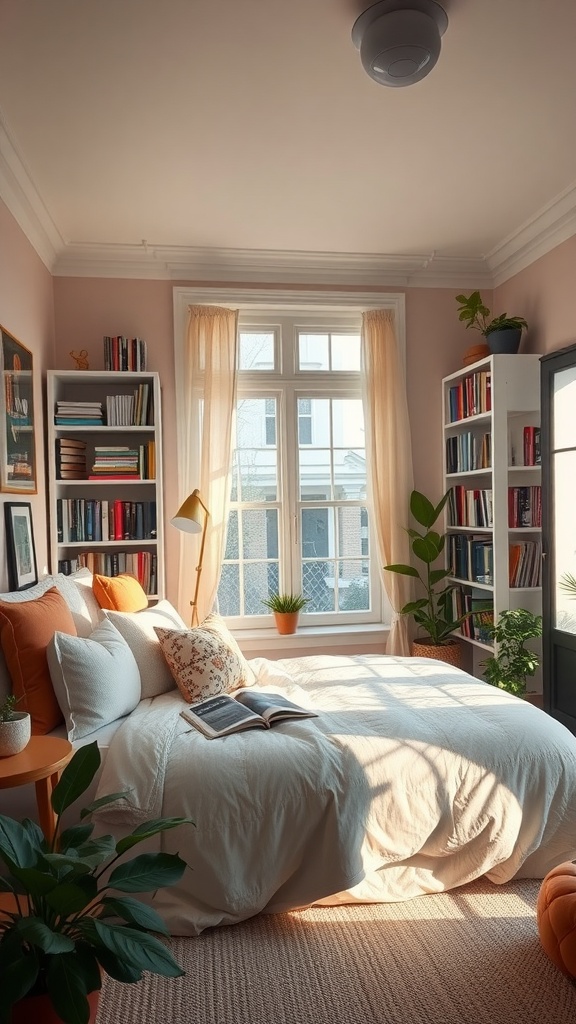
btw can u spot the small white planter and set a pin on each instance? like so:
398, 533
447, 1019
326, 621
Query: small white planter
14, 735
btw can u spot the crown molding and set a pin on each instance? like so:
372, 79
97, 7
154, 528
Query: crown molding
24, 203
549, 227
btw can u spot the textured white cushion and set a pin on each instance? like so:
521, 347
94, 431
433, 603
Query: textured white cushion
137, 628
95, 679
76, 590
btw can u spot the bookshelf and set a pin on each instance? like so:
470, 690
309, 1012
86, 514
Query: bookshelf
491, 424
104, 436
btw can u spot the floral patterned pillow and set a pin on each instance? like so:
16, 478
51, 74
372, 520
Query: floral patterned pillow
202, 664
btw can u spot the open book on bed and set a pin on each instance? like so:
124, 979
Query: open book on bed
248, 709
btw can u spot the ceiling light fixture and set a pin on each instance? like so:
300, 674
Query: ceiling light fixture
399, 40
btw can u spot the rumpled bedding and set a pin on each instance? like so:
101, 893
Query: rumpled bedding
414, 778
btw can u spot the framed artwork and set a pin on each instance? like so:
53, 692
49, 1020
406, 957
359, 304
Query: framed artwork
22, 572
17, 440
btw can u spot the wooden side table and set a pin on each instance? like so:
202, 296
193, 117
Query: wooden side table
41, 762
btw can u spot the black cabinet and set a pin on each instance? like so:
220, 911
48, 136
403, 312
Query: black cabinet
558, 439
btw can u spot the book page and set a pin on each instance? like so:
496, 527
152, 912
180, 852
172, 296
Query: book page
221, 713
269, 705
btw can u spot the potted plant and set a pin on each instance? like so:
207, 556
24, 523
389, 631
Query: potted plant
503, 333
15, 728
286, 609
511, 664
68, 913
434, 613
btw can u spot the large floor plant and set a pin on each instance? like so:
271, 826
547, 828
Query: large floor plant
73, 913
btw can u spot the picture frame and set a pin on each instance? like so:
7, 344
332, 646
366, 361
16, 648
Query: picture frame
22, 570
18, 469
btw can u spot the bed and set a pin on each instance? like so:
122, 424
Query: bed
413, 778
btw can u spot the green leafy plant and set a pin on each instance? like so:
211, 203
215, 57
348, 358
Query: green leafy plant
7, 709
567, 583
475, 314
512, 663
285, 602
74, 916
434, 613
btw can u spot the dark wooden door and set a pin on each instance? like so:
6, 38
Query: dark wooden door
558, 440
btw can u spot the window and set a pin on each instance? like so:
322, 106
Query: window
299, 519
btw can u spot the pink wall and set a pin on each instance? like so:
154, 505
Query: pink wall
27, 312
544, 295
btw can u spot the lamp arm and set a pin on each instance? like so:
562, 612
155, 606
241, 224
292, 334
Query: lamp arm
194, 601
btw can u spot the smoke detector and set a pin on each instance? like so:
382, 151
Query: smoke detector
399, 40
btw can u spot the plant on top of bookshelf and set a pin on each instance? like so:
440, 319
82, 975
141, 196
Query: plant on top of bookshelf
512, 664
474, 313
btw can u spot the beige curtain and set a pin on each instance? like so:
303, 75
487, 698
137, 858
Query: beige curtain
389, 460
209, 389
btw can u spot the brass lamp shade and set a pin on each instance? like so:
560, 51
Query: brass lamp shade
192, 517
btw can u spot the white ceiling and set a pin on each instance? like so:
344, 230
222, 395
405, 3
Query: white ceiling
172, 131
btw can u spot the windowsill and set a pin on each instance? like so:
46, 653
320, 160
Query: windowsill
313, 637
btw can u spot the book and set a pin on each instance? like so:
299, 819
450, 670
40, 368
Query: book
249, 709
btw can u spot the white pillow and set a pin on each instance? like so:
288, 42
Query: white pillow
137, 628
95, 679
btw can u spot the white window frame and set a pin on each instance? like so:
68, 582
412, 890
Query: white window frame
257, 304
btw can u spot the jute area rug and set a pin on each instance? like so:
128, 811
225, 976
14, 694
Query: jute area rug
470, 955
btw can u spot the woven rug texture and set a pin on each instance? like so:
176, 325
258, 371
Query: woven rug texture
470, 955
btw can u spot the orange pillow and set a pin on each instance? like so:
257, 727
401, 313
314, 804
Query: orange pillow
121, 593
26, 629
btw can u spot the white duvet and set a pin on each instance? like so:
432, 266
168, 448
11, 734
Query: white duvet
414, 778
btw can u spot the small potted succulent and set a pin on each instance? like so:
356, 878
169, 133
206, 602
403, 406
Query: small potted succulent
14, 727
68, 912
503, 333
286, 609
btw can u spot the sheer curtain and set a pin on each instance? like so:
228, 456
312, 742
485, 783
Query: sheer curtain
209, 384
389, 460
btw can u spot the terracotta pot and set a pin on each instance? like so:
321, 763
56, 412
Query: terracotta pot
450, 652
39, 1010
474, 353
286, 622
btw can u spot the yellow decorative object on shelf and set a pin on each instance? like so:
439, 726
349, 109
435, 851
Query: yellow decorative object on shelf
81, 359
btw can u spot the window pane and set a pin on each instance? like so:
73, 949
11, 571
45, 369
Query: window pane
349, 474
256, 350
318, 586
313, 352
260, 580
250, 417
315, 474
317, 532
353, 591
229, 591
346, 352
232, 542
564, 474
260, 533
351, 534
257, 475
348, 423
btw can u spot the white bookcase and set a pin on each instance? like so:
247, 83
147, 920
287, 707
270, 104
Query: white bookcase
487, 409
87, 386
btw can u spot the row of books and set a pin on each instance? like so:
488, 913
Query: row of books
480, 611
122, 353
471, 396
94, 519
116, 461
525, 507
531, 444
135, 410
112, 462
525, 564
470, 507
471, 558
87, 414
468, 451
70, 458
141, 564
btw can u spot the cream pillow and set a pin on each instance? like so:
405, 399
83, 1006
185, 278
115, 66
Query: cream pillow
202, 663
95, 679
215, 624
137, 628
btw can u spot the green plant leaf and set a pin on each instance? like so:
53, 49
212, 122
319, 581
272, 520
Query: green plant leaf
135, 913
19, 971
146, 872
403, 570
116, 967
16, 846
74, 836
138, 948
76, 777
426, 548
35, 833
148, 829
35, 882
436, 575
72, 897
422, 509
414, 606
36, 932
96, 851
67, 987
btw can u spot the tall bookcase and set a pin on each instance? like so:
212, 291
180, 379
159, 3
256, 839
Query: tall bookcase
491, 425
132, 538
